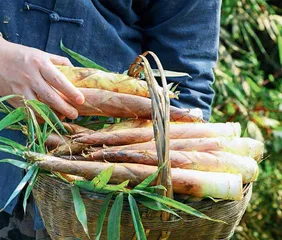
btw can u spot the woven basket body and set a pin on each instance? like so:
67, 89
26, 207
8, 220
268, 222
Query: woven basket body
55, 204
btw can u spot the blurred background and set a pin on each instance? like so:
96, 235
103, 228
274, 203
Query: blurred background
249, 90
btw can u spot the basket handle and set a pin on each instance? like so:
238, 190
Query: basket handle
161, 121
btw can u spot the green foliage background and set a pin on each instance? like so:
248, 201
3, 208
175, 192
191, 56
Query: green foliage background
249, 90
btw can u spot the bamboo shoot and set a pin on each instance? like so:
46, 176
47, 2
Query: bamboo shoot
177, 131
210, 162
189, 182
110, 104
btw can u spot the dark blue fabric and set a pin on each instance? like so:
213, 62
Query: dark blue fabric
183, 33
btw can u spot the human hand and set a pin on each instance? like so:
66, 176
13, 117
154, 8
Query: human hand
31, 72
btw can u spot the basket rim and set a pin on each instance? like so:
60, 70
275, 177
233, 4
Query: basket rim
96, 195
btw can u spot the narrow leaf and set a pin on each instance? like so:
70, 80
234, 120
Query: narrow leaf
44, 131
5, 98
12, 143
21, 185
15, 116
37, 131
156, 206
47, 114
158, 187
15, 128
81, 59
114, 218
103, 178
146, 182
79, 208
279, 42
29, 188
177, 205
17, 163
87, 185
102, 215
11, 150
4, 108
139, 229
31, 134
118, 187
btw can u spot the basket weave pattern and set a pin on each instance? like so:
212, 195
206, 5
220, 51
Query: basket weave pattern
55, 204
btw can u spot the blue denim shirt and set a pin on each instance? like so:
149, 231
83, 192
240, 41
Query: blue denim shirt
184, 34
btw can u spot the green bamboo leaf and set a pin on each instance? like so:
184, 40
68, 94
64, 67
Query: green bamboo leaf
79, 208
173, 88
29, 188
21, 185
31, 134
44, 131
15, 127
175, 204
37, 131
102, 215
149, 179
137, 221
17, 163
153, 188
81, 59
15, 116
118, 187
5, 98
11, 150
279, 43
103, 178
4, 108
157, 206
12, 143
47, 114
88, 185
114, 218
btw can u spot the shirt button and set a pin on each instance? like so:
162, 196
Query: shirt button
54, 17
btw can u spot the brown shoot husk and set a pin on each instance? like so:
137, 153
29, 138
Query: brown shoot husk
240, 146
203, 161
62, 145
119, 105
54, 140
177, 131
75, 129
188, 182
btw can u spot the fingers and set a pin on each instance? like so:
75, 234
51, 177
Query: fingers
58, 80
58, 60
50, 97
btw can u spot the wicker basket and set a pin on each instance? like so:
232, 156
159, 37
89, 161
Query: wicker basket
56, 207
55, 202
